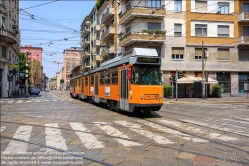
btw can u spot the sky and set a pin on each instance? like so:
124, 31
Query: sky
54, 26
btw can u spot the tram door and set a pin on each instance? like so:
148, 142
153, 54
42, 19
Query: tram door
96, 91
124, 103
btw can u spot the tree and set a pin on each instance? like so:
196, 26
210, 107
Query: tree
35, 67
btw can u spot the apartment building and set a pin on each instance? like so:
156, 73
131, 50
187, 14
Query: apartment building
9, 44
71, 59
34, 53
180, 30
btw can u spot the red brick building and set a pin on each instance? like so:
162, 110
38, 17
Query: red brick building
34, 53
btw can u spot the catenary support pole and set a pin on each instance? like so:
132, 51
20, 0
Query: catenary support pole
202, 81
176, 84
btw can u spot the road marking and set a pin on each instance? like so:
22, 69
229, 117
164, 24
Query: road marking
20, 101
197, 130
137, 128
171, 131
37, 100
54, 137
22, 133
10, 101
28, 101
54, 100
70, 100
89, 140
116, 133
2, 128
1, 101
45, 100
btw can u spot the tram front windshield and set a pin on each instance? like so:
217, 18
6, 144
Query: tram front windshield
146, 75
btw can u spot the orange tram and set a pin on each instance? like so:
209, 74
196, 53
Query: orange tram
130, 82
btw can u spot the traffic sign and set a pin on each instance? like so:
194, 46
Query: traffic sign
10, 78
13, 66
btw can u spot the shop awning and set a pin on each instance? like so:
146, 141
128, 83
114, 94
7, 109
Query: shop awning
190, 80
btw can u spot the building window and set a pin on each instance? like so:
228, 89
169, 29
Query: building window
178, 30
107, 77
92, 80
243, 55
128, 29
223, 54
4, 26
154, 3
154, 26
245, 30
3, 51
199, 53
114, 76
177, 53
128, 7
200, 6
102, 78
178, 6
223, 31
223, 8
200, 30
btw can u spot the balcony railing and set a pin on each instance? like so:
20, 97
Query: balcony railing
141, 11
243, 17
107, 33
85, 43
107, 16
98, 58
132, 37
7, 36
243, 40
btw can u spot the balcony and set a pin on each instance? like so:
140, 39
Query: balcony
85, 32
86, 54
108, 33
7, 36
98, 27
131, 38
98, 42
243, 40
98, 58
141, 12
107, 52
85, 43
93, 51
243, 17
3, 10
107, 16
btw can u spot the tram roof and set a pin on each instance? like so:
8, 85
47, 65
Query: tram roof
127, 57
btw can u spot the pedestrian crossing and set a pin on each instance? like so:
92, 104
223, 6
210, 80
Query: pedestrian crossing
123, 132
11, 101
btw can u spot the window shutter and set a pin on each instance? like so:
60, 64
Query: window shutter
154, 26
223, 29
177, 50
178, 28
223, 54
200, 6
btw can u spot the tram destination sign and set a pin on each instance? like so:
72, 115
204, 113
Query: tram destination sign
147, 60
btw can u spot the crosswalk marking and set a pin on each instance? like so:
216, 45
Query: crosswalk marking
2, 128
116, 133
54, 100
137, 128
171, 131
28, 101
23, 133
37, 100
54, 137
10, 101
45, 100
89, 140
197, 130
19, 101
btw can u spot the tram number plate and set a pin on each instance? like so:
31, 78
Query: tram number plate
150, 97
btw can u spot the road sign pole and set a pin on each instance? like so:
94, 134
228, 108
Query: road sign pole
176, 84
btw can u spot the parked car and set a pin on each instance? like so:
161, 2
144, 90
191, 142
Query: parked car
34, 91
47, 90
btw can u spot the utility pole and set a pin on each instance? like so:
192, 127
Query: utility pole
26, 75
202, 81
176, 84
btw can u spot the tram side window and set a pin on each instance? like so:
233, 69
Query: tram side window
102, 78
114, 76
86, 81
92, 80
107, 77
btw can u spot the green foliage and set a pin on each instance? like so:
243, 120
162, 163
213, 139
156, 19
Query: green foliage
216, 90
167, 90
99, 3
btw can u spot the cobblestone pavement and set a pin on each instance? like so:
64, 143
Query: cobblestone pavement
45, 129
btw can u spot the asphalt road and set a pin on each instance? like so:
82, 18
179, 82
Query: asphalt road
55, 129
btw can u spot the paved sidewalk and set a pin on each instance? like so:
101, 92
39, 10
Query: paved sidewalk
222, 100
